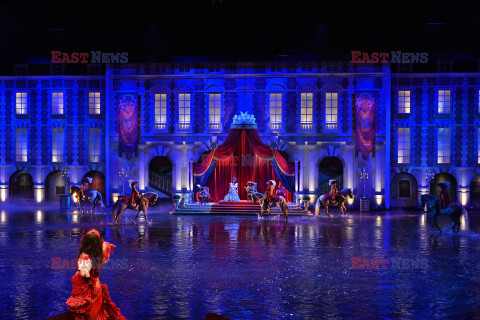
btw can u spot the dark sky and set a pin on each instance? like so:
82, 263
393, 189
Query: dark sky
160, 30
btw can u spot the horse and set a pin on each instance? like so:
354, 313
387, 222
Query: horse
124, 203
93, 196
278, 201
454, 210
326, 201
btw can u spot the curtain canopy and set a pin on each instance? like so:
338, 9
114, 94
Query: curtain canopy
260, 149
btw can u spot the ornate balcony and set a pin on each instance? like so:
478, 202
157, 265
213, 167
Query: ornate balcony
330, 128
160, 128
215, 127
184, 127
276, 127
306, 127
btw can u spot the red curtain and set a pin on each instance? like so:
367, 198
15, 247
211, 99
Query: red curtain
245, 165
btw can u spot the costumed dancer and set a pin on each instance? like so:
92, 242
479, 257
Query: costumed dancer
202, 194
232, 195
90, 299
443, 197
135, 199
280, 192
85, 186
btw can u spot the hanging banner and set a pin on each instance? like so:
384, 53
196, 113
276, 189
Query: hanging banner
364, 125
127, 124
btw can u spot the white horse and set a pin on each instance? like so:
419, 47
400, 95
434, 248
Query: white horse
326, 201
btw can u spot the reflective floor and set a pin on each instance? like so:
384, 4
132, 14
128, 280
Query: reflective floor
387, 265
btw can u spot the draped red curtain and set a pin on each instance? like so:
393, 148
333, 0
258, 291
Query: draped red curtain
245, 165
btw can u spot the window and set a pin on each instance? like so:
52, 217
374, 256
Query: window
21, 103
443, 152
94, 144
444, 103
403, 152
404, 189
331, 108
184, 110
57, 103
403, 101
214, 108
94, 103
57, 144
160, 111
276, 108
306, 107
21, 144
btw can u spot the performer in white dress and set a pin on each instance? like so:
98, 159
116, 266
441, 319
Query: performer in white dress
232, 195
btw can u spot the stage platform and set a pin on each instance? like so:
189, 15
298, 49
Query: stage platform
243, 207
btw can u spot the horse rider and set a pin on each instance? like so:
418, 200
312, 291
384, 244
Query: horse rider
86, 182
136, 197
333, 194
443, 197
269, 194
281, 192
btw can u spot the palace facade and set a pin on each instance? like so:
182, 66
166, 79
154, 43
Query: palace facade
426, 128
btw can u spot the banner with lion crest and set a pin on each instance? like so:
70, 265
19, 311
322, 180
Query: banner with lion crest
364, 111
127, 124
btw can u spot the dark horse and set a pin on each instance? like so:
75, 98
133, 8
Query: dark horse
93, 196
124, 203
454, 210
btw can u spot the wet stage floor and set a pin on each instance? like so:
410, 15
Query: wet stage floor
369, 266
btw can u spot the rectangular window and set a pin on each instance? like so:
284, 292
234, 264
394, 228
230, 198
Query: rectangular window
443, 152
94, 144
331, 108
403, 101
184, 110
160, 108
21, 144
306, 107
275, 108
403, 152
94, 103
214, 108
57, 103
444, 102
21, 103
57, 144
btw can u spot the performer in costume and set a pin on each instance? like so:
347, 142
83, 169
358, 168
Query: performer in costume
135, 199
443, 197
90, 299
86, 182
333, 194
269, 194
280, 192
252, 192
202, 194
232, 195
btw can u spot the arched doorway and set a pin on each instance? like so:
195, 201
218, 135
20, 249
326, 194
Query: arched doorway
329, 168
160, 176
55, 186
475, 192
21, 185
403, 191
98, 182
443, 177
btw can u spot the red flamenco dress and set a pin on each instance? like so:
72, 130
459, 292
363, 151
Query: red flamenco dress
90, 299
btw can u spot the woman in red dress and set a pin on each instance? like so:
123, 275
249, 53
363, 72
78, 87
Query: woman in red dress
90, 299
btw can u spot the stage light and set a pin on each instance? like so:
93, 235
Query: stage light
350, 200
74, 218
3, 217
39, 194
378, 199
3, 193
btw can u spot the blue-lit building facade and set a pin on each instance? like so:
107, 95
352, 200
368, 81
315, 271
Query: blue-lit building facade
426, 128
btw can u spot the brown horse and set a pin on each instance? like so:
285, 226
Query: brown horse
124, 203
93, 196
326, 201
278, 201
